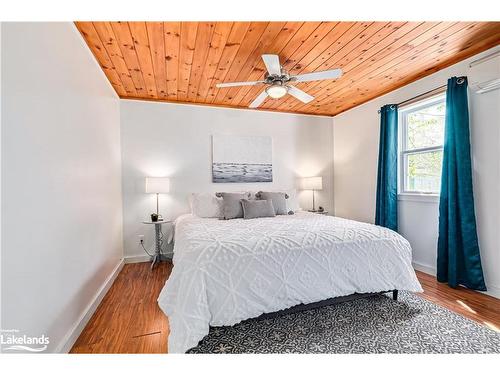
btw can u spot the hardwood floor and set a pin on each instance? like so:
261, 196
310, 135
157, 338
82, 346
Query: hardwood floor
129, 320
469, 303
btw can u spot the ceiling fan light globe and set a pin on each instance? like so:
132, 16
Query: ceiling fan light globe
276, 91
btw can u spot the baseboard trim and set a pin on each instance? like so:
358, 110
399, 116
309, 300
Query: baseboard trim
424, 268
137, 259
70, 339
493, 290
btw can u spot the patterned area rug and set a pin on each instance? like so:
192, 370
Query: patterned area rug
370, 325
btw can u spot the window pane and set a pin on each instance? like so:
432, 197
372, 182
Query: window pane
424, 171
425, 126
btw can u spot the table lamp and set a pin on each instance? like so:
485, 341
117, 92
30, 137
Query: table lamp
312, 183
157, 185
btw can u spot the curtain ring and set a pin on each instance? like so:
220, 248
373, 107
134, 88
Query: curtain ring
393, 107
460, 80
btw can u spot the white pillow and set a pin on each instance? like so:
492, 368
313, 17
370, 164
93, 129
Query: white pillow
205, 205
292, 203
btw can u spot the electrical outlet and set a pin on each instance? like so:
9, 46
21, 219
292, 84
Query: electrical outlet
141, 239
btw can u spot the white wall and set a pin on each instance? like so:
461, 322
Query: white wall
1, 206
61, 184
356, 136
161, 139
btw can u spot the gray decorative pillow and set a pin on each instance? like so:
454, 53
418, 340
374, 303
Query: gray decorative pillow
231, 205
278, 199
253, 209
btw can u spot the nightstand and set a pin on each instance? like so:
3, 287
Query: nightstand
158, 239
319, 212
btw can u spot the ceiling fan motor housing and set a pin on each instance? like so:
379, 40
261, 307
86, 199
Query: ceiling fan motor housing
277, 79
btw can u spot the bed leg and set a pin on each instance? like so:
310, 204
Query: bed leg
395, 294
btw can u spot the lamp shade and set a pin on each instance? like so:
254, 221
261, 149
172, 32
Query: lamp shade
311, 183
157, 185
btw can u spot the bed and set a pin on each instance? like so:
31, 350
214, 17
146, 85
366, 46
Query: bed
227, 271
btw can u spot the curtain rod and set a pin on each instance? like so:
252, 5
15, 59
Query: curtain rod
421, 96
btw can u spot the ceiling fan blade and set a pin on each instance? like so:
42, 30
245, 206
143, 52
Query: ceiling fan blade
272, 63
299, 94
316, 76
258, 100
234, 84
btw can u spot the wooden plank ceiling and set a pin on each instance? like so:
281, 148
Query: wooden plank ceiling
183, 61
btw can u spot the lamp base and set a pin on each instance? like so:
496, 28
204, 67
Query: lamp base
312, 211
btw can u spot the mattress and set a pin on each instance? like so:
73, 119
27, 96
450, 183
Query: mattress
226, 271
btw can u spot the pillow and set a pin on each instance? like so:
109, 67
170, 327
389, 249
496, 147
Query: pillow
205, 205
252, 194
292, 203
278, 199
253, 209
231, 205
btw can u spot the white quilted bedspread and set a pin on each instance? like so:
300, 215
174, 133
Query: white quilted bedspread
226, 271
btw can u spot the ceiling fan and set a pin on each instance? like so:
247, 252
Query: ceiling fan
278, 81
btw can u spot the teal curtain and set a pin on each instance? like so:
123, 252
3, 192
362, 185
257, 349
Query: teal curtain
458, 261
386, 213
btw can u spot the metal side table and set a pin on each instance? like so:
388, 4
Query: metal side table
158, 239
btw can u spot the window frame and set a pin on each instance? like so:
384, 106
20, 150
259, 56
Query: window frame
404, 152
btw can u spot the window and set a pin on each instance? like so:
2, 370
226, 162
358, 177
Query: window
421, 145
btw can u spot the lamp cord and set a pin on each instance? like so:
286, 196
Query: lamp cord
161, 245
147, 252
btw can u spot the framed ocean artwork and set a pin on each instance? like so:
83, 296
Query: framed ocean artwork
242, 159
